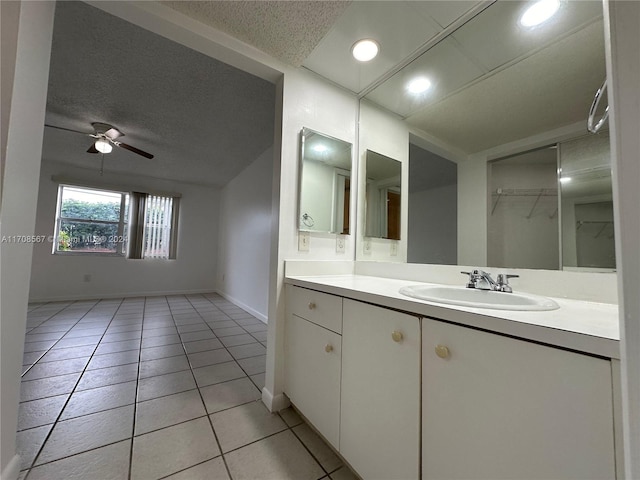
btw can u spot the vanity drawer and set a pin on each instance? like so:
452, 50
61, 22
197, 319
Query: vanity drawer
319, 308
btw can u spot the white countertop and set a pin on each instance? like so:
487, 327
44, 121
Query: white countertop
587, 327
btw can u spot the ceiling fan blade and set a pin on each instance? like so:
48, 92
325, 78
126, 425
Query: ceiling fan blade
113, 133
93, 149
66, 129
133, 149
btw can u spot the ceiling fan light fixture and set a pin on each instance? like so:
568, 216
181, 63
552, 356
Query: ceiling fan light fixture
365, 50
539, 12
103, 146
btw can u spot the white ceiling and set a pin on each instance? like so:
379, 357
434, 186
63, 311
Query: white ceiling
203, 120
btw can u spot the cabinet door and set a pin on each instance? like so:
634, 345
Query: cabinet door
499, 408
380, 419
312, 374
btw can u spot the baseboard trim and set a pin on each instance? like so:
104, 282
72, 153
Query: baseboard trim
121, 295
12, 470
274, 403
260, 316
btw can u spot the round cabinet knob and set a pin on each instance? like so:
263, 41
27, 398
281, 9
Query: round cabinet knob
328, 348
397, 336
442, 351
312, 306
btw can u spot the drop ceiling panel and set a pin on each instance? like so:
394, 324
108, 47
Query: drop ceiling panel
444, 12
497, 38
396, 26
550, 89
444, 65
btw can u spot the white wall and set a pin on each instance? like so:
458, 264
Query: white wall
61, 277
622, 22
523, 230
19, 199
305, 101
433, 226
316, 199
387, 135
245, 237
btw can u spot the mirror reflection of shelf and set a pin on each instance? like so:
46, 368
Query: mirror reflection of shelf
524, 192
604, 223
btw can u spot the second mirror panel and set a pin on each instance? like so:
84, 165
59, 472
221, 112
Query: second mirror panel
325, 184
383, 196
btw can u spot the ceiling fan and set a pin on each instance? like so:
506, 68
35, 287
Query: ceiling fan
106, 136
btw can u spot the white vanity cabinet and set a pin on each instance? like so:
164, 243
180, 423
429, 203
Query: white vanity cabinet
495, 407
313, 358
380, 427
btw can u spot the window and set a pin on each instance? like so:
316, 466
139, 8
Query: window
91, 221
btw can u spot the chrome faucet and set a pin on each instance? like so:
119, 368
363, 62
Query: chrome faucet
482, 281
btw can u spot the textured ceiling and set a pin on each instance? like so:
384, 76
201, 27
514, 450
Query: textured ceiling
204, 121
287, 30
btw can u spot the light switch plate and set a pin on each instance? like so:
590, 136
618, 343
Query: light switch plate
394, 249
303, 241
367, 246
340, 243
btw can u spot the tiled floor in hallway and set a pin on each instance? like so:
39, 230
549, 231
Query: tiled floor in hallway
156, 387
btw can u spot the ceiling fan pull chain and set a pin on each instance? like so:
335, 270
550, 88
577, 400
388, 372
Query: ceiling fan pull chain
101, 164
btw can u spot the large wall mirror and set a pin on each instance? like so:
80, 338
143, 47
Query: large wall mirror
325, 183
383, 193
498, 111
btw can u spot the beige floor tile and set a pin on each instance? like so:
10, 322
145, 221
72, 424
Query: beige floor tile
52, 369
28, 443
105, 463
162, 366
279, 457
318, 448
48, 387
113, 359
258, 380
88, 432
344, 473
229, 394
253, 365
66, 353
170, 450
211, 357
108, 376
195, 336
210, 470
114, 347
291, 417
221, 372
202, 345
169, 384
162, 351
40, 412
166, 411
160, 341
245, 351
247, 423
226, 332
100, 399
234, 340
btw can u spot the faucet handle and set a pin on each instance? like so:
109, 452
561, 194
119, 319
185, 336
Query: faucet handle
503, 282
470, 282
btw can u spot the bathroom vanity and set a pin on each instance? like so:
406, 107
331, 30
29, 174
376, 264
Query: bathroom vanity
404, 388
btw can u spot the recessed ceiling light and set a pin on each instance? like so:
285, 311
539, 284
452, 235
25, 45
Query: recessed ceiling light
419, 85
539, 12
365, 50
320, 148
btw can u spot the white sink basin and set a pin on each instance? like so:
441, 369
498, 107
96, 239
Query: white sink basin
470, 297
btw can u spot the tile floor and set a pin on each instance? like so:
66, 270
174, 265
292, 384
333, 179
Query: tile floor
156, 387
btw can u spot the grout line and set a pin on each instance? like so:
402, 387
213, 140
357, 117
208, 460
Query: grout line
135, 398
55, 423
